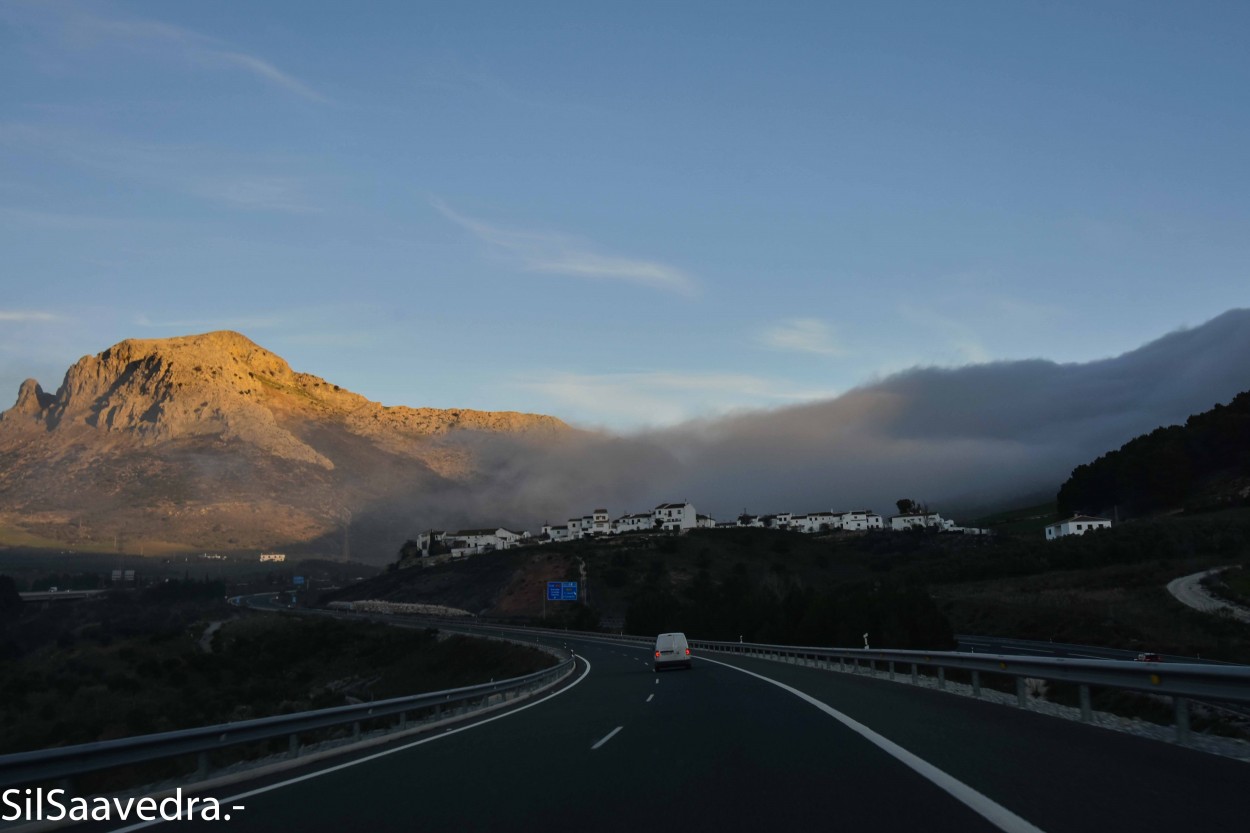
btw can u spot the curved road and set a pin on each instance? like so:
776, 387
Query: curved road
1188, 590
715, 748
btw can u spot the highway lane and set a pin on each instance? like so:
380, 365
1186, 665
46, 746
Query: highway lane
718, 748
708, 748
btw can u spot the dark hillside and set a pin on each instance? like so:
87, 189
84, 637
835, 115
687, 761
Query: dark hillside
1201, 465
908, 589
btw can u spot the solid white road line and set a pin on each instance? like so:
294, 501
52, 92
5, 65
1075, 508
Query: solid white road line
606, 737
983, 805
375, 756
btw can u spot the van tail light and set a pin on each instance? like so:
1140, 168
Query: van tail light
657, 654
687, 652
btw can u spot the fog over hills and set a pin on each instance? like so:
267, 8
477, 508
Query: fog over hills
977, 435
213, 442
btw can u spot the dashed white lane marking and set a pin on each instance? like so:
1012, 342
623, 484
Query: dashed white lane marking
377, 755
983, 805
649, 696
657, 680
606, 737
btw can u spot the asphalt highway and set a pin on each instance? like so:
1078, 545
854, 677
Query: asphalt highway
743, 744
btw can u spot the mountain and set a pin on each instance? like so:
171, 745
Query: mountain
212, 442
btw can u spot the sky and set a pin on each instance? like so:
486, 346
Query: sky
624, 215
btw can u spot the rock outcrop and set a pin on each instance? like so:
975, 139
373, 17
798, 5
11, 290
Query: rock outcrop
212, 441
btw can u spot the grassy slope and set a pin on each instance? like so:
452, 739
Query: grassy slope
133, 664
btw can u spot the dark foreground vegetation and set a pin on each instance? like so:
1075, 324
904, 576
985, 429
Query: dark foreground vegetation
137, 662
910, 589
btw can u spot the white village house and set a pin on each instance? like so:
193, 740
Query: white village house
1076, 525
674, 516
678, 517
470, 541
912, 520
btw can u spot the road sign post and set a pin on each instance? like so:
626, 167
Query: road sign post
559, 591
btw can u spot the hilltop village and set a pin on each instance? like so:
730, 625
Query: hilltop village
675, 518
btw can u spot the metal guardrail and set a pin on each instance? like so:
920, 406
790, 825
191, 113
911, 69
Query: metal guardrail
27, 768
1182, 682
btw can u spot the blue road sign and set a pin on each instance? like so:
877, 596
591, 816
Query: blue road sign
561, 591
298, 580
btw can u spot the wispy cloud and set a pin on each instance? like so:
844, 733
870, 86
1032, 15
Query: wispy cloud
803, 335
260, 192
78, 28
961, 342
26, 316
190, 170
565, 255
265, 70
661, 397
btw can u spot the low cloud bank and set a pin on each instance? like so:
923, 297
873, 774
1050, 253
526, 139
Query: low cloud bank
973, 436
967, 436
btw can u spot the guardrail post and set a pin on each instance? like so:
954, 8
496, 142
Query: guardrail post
292, 745
891, 669
201, 768
403, 721
1181, 707
1022, 693
915, 674
976, 683
841, 664
1087, 711
941, 678
356, 730
855, 670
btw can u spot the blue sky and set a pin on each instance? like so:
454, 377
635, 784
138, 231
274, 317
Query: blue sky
620, 214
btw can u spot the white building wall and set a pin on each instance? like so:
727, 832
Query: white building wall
1078, 525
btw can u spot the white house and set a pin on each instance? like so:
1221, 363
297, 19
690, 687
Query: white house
473, 541
674, 516
822, 522
579, 526
553, 532
600, 524
705, 522
912, 520
633, 523
1076, 525
859, 519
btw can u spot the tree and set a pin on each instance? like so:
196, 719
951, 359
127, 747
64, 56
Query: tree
410, 549
905, 506
10, 601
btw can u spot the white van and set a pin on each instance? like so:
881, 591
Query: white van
671, 650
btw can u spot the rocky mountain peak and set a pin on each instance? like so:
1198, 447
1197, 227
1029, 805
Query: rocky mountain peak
213, 439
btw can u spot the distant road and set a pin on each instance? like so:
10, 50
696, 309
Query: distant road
1188, 590
59, 595
747, 744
